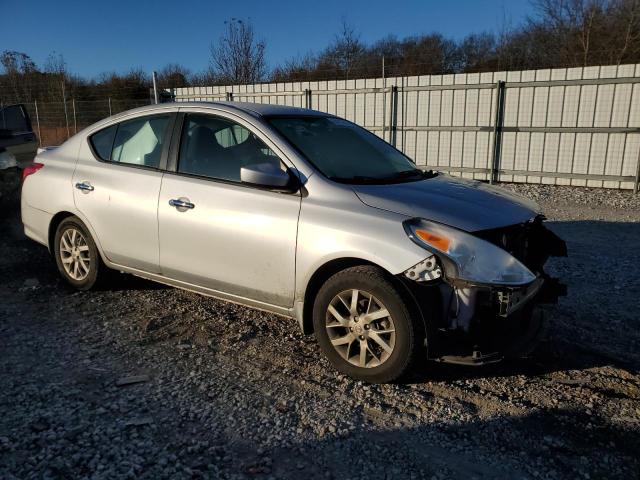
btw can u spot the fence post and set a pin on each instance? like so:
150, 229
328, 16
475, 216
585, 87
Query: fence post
229, 96
38, 123
110, 107
75, 120
498, 125
636, 185
155, 87
384, 103
66, 114
307, 98
394, 115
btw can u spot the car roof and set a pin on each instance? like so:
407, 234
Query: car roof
266, 109
254, 109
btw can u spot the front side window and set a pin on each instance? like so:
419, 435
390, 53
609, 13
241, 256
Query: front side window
217, 148
134, 142
345, 152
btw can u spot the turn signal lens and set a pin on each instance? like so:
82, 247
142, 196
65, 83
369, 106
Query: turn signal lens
467, 257
436, 241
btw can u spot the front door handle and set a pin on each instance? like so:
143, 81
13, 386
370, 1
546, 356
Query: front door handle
86, 187
181, 203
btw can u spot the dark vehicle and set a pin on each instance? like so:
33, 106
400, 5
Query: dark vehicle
16, 135
18, 145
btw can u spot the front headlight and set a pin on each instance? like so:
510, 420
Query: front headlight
467, 257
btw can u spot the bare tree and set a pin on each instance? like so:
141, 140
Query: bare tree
478, 52
590, 32
19, 70
238, 57
628, 15
55, 64
345, 53
575, 26
173, 75
16, 62
296, 68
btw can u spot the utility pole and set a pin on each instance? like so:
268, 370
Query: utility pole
155, 87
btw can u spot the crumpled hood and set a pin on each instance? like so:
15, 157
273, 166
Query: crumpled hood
468, 205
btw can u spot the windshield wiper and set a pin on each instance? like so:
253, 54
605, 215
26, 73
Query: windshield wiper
360, 179
416, 174
407, 175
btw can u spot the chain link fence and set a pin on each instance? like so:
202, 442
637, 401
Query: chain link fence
54, 122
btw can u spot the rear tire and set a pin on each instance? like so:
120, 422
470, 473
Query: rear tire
364, 326
76, 254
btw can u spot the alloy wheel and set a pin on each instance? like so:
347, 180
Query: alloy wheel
74, 254
360, 328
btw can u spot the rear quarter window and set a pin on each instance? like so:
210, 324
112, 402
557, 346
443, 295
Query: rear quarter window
102, 142
136, 142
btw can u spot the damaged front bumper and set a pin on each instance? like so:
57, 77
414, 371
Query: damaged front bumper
481, 324
504, 323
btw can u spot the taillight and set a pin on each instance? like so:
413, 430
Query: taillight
31, 169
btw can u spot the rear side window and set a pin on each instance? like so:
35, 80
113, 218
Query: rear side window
136, 142
102, 142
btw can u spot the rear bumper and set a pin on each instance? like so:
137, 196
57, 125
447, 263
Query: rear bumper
36, 223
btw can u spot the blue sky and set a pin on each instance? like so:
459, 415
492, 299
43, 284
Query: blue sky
116, 35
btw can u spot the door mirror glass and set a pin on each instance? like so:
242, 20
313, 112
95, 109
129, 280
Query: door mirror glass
265, 175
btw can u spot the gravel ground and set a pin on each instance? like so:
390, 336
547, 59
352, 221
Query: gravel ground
141, 381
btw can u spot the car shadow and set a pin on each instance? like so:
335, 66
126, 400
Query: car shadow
556, 440
119, 281
549, 357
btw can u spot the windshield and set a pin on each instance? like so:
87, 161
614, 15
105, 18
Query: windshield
345, 152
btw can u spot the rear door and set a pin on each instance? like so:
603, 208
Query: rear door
117, 182
16, 134
230, 237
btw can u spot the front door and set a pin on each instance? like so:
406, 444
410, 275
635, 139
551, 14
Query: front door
218, 233
117, 183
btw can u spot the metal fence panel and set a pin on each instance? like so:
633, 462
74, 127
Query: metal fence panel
569, 126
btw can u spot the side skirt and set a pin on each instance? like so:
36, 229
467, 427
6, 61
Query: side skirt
227, 297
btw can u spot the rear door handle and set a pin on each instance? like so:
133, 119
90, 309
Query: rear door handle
181, 204
84, 186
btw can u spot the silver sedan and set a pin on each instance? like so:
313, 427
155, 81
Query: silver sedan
302, 214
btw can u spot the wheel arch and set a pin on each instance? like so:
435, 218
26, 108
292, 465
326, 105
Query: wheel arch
330, 268
58, 218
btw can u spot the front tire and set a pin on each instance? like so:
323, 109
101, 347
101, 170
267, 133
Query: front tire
363, 325
76, 254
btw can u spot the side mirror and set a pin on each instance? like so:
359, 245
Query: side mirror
265, 175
